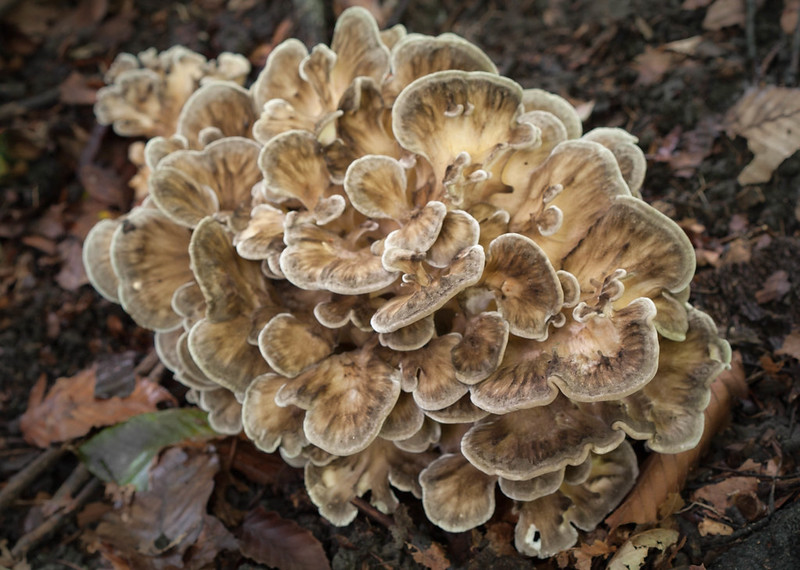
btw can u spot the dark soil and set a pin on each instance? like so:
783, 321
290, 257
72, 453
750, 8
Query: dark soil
588, 51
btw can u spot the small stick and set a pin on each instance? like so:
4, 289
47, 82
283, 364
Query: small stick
750, 31
794, 63
372, 512
21, 480
31, 539
16, 108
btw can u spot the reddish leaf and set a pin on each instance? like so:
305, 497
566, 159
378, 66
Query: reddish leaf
791, 345
70, 409
432, 557
270, 539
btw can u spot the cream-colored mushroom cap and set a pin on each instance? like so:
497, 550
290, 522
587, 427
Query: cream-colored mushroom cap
149, 256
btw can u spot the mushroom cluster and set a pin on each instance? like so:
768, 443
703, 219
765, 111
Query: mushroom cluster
400, 269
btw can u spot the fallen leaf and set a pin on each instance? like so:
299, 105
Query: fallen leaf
76, 90
719, 495
652, 65
724, 13
775, 287
270, 539
713, 528
663, 474
72, 274
70, 409
432, 557
789, 16
501, 536
769, 118
791, 345
157, 529
123, 453
638, 549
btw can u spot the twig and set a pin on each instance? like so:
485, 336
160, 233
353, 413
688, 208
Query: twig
20, 481
67, 490
794, 62
43, 99
372, 512
31, 539
148, 363
750, 31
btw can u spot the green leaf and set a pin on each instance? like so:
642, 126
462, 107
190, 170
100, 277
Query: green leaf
123, 453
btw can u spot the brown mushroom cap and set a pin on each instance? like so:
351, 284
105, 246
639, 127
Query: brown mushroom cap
546, 525
536, 488
331, 487
579, 179
481, 348
668, 411
404, 421
461, 115
540, 100
526, 287
456, 496
430, 373
280, 80
417, 55
222, 351
404, 309
524, 444
224, 410
97, 259
269, 425
630, 157
290, 345
190, 185
377, 187
220, 104
149, 257
347, 397
293, 168
231, 286
600, 358
316, 258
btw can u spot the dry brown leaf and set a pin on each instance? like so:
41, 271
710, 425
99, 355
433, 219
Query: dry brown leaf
714, 528
789, 16
724, 13
270, 539
720, 495
638, 549
432, 557
775, 287
791, 345
769, 118
652, 65
168, 526
72, 274
664, 474
70, 409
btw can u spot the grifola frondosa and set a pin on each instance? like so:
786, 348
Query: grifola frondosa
397, 268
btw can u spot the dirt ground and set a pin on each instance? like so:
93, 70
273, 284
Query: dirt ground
669, 72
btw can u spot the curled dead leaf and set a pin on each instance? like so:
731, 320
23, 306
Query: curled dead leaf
270, 539
70, 409
769, 118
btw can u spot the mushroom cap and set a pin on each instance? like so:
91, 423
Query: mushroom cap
149, 256
345, 412
417, 55
269, 425
290, 345
546, 526
528, 443
455, 495
97, 259
189, 185
220, 104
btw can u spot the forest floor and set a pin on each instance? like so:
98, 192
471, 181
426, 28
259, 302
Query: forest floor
694, 80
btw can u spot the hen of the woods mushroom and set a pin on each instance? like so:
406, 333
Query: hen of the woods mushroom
400, 269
